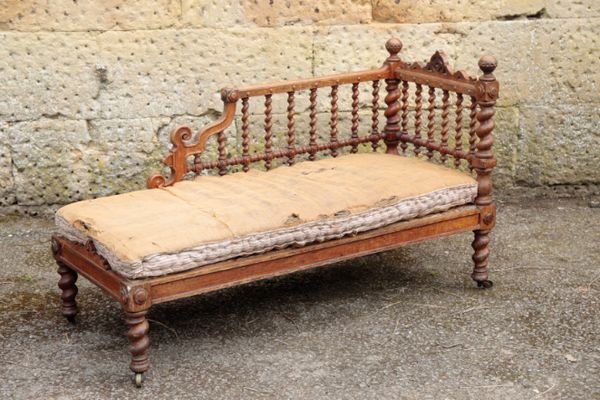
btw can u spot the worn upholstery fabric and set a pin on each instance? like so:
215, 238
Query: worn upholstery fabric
193, 223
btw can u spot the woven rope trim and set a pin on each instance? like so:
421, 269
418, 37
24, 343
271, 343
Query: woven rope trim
300, 235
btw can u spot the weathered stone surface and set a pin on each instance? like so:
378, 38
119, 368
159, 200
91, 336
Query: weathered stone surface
121, 156
89, 113
85, 15
357, 47
129, 134
415, 11
541, 62
7, 196
44, 74
213, 13
48, 160
573, 9
511, 43
559, 145
353, 48
175, 72
506, 135
566, 60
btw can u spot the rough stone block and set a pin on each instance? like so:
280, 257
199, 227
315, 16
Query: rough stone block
511, 44
566, 60
415, 11
46, 75
86, 15
114, 170
122, 154
559, 145
573, 9
165, 73
48, 158
7, 195
128, 134
506, 135
539, 62
352, 48
214, 13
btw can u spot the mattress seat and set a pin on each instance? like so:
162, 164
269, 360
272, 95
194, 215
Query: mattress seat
209, 219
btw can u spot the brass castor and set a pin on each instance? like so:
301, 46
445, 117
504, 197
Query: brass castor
138, 379
485, 284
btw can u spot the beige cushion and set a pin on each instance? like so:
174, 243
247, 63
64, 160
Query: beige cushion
193, 223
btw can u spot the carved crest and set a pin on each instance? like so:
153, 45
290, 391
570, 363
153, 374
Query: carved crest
439, 63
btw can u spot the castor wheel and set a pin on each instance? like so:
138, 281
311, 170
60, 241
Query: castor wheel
138, 379
485, 284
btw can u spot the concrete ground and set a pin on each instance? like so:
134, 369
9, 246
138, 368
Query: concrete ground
407, 324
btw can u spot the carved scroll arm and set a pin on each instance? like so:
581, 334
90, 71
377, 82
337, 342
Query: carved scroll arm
176, 160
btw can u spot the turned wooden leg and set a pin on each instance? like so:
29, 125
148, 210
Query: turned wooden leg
138, 343
68, 277
480, 258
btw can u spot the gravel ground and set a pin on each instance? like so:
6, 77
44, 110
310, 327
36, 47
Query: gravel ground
407, 324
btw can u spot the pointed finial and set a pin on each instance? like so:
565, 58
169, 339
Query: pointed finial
393, 46
488, 64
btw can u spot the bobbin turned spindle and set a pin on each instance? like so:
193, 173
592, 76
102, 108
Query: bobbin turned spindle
391, 131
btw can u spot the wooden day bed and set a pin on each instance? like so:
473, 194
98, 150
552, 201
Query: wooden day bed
183, 237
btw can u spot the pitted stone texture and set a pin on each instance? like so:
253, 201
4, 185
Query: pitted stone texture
49, 161
130, 134
416, 11
352, 48
511, 42
566, 56
43, 74
86, 15
123, 153
212, 13
560, 144
573, 9
506, 135
7, 195
541, 62
175, 72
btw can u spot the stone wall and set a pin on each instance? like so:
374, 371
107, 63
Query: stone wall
90, 90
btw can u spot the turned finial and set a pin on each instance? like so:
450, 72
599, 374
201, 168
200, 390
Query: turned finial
393, 46
488, 64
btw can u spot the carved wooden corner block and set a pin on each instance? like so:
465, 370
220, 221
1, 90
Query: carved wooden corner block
487, 217
136, 301
135, 297
229, 95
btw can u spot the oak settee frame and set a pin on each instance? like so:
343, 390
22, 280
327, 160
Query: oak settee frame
137, 296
